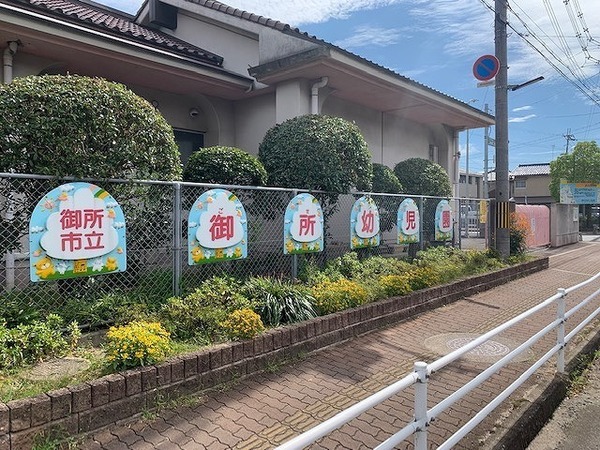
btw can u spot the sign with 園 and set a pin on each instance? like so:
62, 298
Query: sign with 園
364, 224
76, 230
443, 221
303, 226
408, 222
217, 228
579, 193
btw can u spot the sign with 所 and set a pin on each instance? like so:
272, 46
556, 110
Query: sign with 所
303, 226
408, 222
579, 193
486, 67
443, 221
76, 230
217, 228
364, 224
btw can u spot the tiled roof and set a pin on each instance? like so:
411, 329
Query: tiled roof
122, 24
531, 169
283, 27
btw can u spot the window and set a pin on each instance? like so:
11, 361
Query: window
520, 184
188, 142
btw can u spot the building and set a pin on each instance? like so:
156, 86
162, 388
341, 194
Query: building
530, 184
222, 76
474, 187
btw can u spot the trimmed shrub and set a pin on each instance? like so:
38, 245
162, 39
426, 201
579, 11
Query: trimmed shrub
332, 296
224, 165
242, 324
136, 344
317, 152
421, 176
385, 180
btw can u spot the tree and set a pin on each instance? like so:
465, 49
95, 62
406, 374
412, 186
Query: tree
83, 127
224, 165
423, 177
385, 180
317, 152
581, 165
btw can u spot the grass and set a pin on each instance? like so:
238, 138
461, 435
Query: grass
578, 377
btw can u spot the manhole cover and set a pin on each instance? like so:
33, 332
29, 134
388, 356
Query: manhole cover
491, 350
58, 368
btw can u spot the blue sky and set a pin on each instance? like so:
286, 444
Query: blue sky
436, 42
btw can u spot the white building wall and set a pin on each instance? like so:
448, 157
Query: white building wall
292, 99
253, 117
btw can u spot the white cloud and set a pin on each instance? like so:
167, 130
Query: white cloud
367, 35
521, 119
522, 108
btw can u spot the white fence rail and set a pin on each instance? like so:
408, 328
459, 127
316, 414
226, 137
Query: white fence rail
423, 417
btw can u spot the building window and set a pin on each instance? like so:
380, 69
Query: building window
188, 142
520, 184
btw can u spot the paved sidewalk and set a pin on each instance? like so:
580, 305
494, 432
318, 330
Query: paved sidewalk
261, 411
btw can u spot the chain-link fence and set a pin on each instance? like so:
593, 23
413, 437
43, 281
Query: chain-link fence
156, 215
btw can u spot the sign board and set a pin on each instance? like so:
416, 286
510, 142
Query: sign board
408, 222
486, 67
217, 228
364, 224
76, 230
443, 221
579, 193
303, 226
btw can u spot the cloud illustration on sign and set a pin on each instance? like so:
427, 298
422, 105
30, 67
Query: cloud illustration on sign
92, 238
220, 226
307, 222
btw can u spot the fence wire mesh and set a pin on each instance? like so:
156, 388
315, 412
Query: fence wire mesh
156, 215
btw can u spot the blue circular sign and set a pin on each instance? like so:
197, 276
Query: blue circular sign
486, 67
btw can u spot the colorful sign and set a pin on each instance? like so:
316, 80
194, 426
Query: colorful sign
486, 67
303, 226
364, 224
443, 221
579, 193
217, 228
409, 222
76, 230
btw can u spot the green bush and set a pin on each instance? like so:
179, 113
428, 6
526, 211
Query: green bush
317, 152
279, 302
385, 180
199, 315
224, 165
422, 277
136, 344
242, 324
350, 266
332, 296
423, 177
395, 285
26, 344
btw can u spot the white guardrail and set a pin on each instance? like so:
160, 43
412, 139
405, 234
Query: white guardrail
422, 371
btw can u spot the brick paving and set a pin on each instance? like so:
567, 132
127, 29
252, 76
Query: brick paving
267, 409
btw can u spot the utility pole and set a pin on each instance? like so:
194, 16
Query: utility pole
502, 185
569, 137
486, 139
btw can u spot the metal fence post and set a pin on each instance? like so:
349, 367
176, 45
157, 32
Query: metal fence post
177, 238
422, 217
560, 314
421, 405
294, 256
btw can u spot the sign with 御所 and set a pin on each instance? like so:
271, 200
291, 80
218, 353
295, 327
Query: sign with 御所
77, 229
364, 224
217, 228
303, 225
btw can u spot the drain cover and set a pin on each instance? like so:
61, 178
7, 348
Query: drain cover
490, 350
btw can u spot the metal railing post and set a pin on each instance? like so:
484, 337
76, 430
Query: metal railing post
560, 340
177, 238
421, 405
294, 256
422, 217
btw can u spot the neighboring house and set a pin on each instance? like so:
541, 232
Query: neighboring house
474, 187
530, 184
224, 76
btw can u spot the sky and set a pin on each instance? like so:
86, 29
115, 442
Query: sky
436, 43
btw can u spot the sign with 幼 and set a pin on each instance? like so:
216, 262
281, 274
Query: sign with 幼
217, 228
364, 224
303, 226
443, 221
408, 222
76, 230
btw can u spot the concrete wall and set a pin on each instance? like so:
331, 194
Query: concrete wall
564, 224
253, 117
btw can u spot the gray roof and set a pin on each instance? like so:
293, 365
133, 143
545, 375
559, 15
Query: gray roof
531, 170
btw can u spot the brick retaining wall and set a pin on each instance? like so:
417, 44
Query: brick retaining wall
95, 404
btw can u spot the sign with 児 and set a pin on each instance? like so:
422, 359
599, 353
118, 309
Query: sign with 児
77, 229
408, 222
486, 67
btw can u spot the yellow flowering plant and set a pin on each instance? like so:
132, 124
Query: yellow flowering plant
332, 296
138, 343
243, 324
